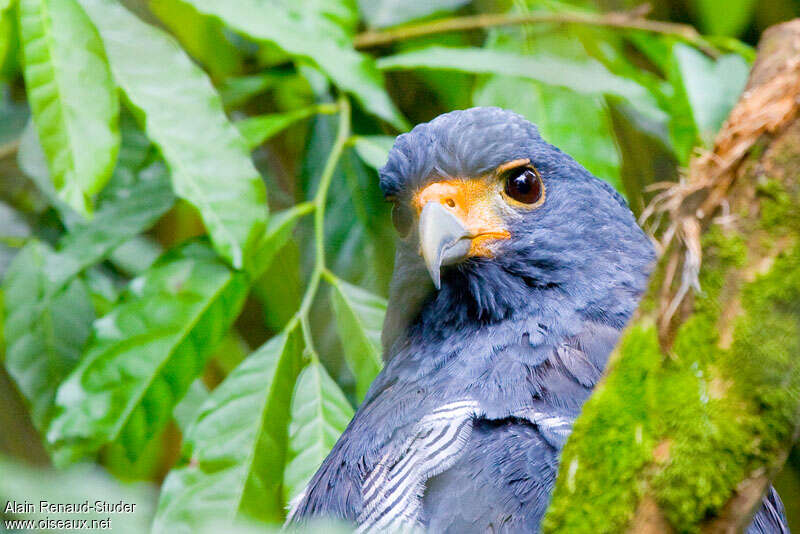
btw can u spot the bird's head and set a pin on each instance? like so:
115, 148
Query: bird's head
494, 221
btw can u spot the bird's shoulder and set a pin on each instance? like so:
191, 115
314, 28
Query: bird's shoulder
421, 413
500, 483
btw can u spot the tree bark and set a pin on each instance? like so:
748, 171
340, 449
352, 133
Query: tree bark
700, 404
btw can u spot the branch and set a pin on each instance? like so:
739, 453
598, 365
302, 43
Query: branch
701, 401
632, 20
320, 201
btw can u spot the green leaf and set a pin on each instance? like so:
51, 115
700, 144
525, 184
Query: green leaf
278, 232
552, 70
230, 352
135, 256
374, 149
129, 206
6, 34
133, 155
647, 156
367, 256
102, 285
320, 413
359, 235
75, 104
656, 48
11, 59
208, 158
32, 161
204, 38
149, 465
48, 319
2, 327
146, 352
309, 35
22, 483
136, 150
13, 115
234, 452
238, 90
280, 288
358, 249
49, 310
382, 13
14, 229
14, 232
144, 194
708, 89
257, 130
186, 410
724, 17
359, 319
337, 18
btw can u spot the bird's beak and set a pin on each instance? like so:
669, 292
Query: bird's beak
458, 219
444, 239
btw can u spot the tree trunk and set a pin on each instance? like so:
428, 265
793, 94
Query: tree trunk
701, 401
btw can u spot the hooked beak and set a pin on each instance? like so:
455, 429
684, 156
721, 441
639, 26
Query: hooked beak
444, 240
458, 219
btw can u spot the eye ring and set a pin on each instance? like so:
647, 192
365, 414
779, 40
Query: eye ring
524, 186
402, 219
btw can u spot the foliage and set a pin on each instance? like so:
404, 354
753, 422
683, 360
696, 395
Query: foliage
140, 251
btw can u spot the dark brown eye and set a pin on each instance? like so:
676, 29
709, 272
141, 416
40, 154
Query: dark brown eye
524, 185
401, 219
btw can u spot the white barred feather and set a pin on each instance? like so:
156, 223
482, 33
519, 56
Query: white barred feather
392, 493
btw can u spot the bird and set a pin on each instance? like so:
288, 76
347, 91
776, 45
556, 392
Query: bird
515, 272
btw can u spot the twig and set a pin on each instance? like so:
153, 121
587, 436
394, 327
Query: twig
631, 20
319, 202
320, 198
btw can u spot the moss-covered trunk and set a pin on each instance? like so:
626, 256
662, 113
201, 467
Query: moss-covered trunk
701, 401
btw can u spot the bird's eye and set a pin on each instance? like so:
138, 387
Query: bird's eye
524, 184
401, 219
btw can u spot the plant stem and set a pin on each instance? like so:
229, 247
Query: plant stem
625, 20
329, 277
319, 202
310, 351
327, 108
13, 242
304, 208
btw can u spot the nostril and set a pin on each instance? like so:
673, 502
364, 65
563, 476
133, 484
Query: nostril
450, 203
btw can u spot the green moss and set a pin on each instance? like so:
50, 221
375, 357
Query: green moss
764, 355
610, 445
723, 412
722, 251
649, 303
683, 407
784, 154
729, 411
779, 206
756, 151
705, 458
697, 338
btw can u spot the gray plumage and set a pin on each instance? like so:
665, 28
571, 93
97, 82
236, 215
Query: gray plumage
462, 430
